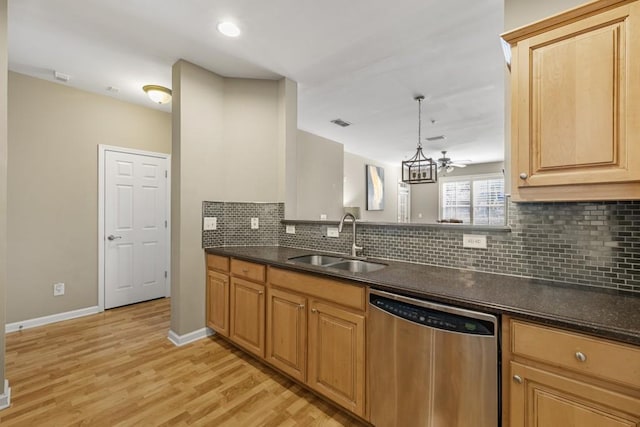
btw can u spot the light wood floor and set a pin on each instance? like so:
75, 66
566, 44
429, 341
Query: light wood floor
119, 368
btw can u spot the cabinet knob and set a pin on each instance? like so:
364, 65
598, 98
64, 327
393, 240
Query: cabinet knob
301, 306
523, 175
313, 310
518, 379
260, 292
245, 270
581, 356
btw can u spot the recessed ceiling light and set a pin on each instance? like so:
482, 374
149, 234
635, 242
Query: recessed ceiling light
229, 29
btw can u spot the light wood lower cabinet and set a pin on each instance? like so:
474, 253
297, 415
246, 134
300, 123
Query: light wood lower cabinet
316, 334
542, 398
217, 293
247, 325
218, 302
287, 332
336, 355
554, 377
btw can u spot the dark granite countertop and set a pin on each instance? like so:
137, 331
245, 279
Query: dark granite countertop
596, 311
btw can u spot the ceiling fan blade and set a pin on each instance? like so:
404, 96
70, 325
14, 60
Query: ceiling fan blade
458, 165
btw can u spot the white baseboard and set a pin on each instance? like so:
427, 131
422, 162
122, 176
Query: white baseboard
180, 340
45, 320
5, 397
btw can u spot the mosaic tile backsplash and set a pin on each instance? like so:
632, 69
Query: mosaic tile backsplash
596, 244
234, 224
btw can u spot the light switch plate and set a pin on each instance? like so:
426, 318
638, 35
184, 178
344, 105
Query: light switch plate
210, 223
474, 241
255, 224
333, 232
323, 217
291, 229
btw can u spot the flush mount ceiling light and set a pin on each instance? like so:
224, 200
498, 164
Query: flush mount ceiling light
229, 29
158, 94
419, 169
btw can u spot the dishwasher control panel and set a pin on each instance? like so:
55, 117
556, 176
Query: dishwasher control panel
432, 318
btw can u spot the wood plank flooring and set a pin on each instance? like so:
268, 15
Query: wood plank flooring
118, 368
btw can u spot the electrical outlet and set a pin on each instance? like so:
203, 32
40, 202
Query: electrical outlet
210, 223
474, 241
58, 289
291, 229
333, 232
255, 223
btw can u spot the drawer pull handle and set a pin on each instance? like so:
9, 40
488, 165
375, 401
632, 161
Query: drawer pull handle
524, 175
313, 310
245, 270
518, 379
581, 356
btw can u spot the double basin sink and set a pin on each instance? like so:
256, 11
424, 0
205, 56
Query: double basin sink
345, 264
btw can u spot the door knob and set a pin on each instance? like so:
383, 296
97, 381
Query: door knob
112, 237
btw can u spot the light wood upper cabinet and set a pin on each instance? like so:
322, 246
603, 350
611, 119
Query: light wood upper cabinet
575, 132
553, 377
247, 325
336, 355
218, 302
287, 332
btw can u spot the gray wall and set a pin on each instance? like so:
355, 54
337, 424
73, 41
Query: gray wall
518, 13
3, 181
227, 145
355, 187
54, 132
425, 197
320, 164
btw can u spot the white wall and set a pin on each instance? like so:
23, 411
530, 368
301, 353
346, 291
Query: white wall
320, 165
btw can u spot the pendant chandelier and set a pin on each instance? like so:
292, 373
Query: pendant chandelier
419, 169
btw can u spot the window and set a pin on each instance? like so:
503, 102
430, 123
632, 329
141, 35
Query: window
475, 200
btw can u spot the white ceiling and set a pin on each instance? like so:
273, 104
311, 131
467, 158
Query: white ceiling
359, 60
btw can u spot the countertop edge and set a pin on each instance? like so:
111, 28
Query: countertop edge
547, 318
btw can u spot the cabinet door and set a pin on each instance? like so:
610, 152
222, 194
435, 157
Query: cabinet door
246, 326
544, 399
218, 302
336, 355
576, 96
287, 332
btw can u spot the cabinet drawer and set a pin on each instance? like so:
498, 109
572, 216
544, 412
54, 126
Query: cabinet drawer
248, 270
599, 358
327, 289
218, 262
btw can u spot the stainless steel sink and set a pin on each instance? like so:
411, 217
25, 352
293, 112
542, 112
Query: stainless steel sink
357, 266
321, 260
345, 264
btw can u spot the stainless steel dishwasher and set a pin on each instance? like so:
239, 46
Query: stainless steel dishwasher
430, 364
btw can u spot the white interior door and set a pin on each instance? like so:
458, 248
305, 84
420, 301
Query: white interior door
135, 238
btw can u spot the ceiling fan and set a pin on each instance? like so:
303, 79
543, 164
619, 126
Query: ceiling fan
448, 165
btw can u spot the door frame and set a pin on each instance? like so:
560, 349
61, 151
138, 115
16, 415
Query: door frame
102, 149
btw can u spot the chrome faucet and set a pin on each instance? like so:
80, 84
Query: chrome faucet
354, 248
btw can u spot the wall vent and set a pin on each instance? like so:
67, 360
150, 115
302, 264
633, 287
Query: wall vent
436, 138
340, 122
